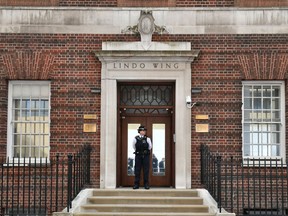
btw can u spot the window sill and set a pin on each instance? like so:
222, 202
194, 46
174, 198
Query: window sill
264, 162
27, 162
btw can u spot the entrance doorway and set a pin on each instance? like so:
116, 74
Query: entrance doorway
151, 105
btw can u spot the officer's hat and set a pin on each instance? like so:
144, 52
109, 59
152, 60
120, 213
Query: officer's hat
141, 128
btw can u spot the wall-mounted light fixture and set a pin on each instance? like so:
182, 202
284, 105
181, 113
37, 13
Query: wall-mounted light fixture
189, 103
196, 90
96, 90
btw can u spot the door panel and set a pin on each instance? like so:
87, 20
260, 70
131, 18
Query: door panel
159, 130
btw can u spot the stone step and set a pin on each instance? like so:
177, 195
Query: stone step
145, 200
153, 202
144, 208
148, 193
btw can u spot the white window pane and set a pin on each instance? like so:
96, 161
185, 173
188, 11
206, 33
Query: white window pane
247, 116
257, 103
246, 150
264, 138
265, 151
46, 128
44, 104
37, 140
17, 91
264, 127
275, 103
44, 115
257, 117
254, 127
45, 152
266, 116
17, 128
17, 103
246, 127
35, 103
25, 152
46, 140
16, 115
26, 104
266, 103
248, 91
267, 91
255, 150
276, 116
16, 139
276, 91
248, 103
26, 91
17, 152
257, 91
275, 150
35, 91
44, 91
35, 152
255, 137
247, 138
275, 138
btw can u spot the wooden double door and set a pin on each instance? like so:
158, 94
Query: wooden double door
159, 130
152, 105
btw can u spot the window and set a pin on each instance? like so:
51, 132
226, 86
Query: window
29, 119
263, 120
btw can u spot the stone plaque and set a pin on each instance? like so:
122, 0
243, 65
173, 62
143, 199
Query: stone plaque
89, 127
202, 117
90, 116
202, 128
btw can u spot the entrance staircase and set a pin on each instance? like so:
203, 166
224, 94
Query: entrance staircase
153, 202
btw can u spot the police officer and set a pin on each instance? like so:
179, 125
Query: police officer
142, 146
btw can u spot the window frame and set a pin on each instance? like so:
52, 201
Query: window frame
10, 145
260, 159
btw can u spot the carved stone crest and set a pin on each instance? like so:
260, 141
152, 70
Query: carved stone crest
146, 27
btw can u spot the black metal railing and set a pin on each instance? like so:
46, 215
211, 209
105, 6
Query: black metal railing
34, 186
245, 187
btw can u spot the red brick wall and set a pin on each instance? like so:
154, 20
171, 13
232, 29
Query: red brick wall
75, 70
261, 3
29, 3
205, 3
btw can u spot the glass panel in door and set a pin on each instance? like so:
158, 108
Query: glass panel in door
131, 133
158, 156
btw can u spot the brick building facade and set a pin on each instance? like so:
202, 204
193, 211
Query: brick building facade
240, 50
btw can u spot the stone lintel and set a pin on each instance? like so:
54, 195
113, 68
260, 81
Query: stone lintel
151, 54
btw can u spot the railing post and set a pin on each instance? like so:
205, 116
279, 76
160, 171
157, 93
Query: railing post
202, 162
219, 186
69, 183
89, 149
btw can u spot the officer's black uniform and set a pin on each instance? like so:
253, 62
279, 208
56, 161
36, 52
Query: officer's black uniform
142, 159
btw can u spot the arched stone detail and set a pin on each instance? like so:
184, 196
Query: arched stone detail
33, 65
264, 66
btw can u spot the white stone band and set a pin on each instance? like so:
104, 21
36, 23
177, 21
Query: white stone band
80, 20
